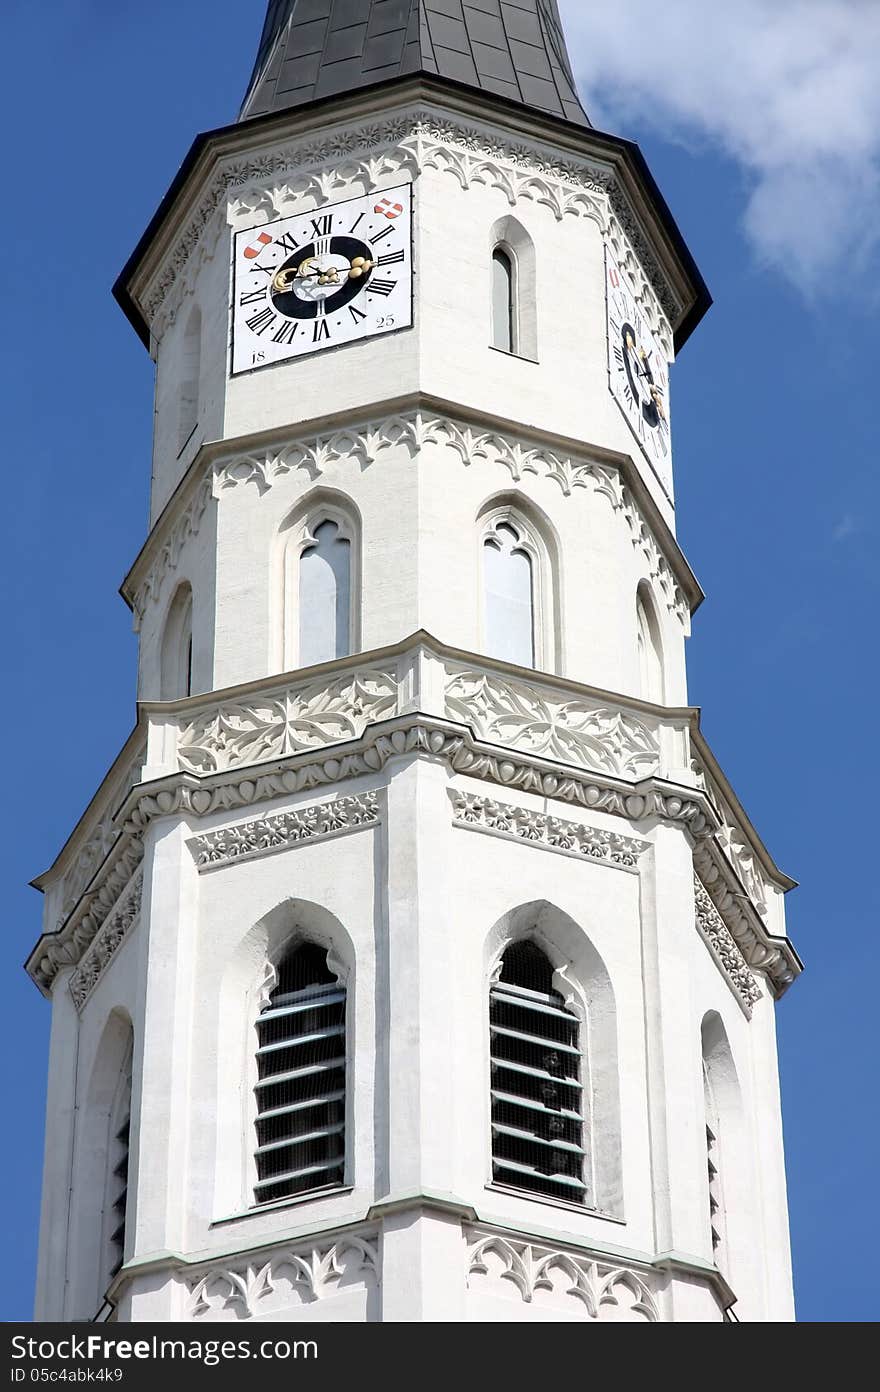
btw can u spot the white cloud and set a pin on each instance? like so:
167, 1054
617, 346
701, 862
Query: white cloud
790, 89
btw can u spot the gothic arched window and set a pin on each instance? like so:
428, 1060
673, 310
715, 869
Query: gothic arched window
321, 590
190, 375
301, 1067
650, 649
504, 306
511, 566
538, 1115
177, 647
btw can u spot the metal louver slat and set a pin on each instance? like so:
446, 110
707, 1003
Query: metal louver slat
537, 1095
300, 1120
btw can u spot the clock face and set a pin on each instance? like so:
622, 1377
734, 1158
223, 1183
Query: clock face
322, 279
639, 373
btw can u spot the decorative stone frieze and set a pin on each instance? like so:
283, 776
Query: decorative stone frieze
246, 840
716, 934
106, 942
519, 715
370, 156
594, 1289
268, 1284
542, 829
762, 952
292, 720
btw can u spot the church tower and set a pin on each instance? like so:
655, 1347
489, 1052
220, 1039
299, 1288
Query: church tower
416, 961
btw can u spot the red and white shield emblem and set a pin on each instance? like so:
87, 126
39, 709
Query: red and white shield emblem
256, 248
388, 209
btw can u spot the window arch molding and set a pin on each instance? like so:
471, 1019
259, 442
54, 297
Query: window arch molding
582, 980
734, 1187
297, 535
509, 237
248, 980
92, 1252
176, 652
536, 538
652, 674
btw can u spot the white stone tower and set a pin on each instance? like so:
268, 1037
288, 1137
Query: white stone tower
415, 961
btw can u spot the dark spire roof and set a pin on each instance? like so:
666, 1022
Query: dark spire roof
324, 48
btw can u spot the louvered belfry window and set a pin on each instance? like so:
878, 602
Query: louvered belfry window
537, 1089
301, 1079
120, 1149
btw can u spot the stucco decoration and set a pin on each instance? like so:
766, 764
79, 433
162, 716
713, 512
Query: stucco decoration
246, 840
518, 716
597, 1290
542, 829
289, 1277
112, 934
715, 933
362, 158
290, 722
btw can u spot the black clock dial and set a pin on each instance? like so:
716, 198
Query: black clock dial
644, 389
322, 277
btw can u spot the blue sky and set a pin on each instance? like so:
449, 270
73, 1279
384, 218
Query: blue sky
776, 418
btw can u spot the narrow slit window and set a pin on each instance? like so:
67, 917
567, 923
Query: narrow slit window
503, 302
325, 597
301, 1080
538, 1117
509, 597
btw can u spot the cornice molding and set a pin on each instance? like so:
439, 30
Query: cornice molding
321, 822
223, 467
370, 155
542, 829
114, 931
730, 959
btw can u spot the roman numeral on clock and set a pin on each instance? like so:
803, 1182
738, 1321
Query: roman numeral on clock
356, 314
386, 232
382, 287
254, 296
259, 323
287, 333
321, 333
323, 226
288, 243
391, 258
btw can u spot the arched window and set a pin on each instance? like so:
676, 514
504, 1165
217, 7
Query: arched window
730, 1186
190, 375
509, 560
117, 1170
325, 595
651, 684
177, 647
538, 1107
301, 1067
514, 297
504, 316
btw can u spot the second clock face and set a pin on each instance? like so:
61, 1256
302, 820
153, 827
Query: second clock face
638, 373
324, 278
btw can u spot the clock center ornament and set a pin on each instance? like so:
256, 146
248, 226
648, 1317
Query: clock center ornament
321, 279
638, 373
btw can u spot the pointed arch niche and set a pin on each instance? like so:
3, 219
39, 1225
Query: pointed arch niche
519, 588
730, 1185
97, 1246
581, 981
248, 990
652, 683
320, 581
514, 294
176, 660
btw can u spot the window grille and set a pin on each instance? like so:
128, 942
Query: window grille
537, 1091
301, 1080
714, 1189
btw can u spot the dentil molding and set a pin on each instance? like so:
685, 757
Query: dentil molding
597, 1290
373, 155
266, 1286
577, 839
246, 840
